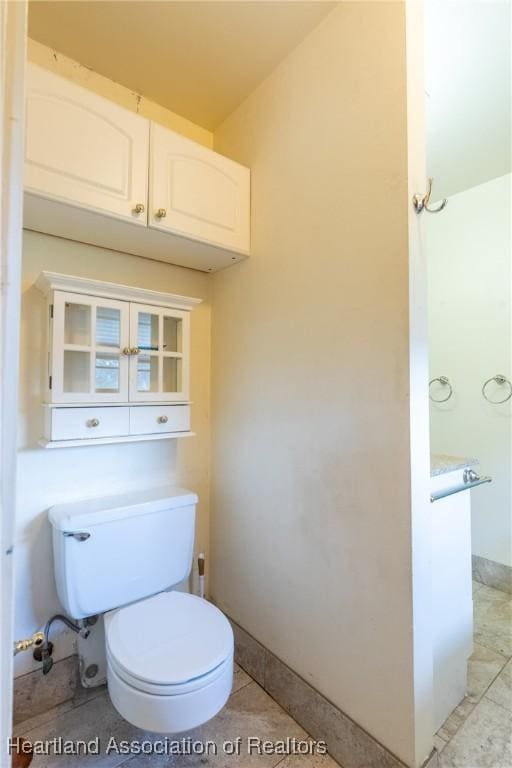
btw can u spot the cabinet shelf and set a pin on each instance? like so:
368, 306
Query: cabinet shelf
51, 444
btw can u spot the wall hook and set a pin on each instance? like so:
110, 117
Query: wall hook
421, 202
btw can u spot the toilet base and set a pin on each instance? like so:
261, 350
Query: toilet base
170, 714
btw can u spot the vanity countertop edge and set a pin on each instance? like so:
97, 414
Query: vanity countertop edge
442, 463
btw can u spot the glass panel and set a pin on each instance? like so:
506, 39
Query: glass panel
77, 324
108, 327
147, 373
172, 374
147, 337
107, 373
172, 334
76, 371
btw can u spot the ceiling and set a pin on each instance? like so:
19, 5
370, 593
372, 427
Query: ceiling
199, 59
468, 84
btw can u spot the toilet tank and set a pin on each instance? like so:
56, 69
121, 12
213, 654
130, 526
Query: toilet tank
114, 550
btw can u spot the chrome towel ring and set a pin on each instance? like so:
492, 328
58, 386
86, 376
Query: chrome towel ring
501, 381
445, 381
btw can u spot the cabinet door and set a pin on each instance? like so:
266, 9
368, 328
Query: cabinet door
159, 368
196, 192
89, 359
84, 150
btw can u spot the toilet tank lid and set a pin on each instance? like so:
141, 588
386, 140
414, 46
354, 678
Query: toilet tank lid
76, 515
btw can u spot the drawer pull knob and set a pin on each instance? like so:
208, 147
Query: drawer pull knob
163, 419
161, 213
139, 208
93, 423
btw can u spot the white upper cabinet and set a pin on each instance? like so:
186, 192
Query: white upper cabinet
84, 149
81, 150
198, 193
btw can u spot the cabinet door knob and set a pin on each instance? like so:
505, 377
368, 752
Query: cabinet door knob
161, 213
126, 351
139, 208
134, 351
163, 419
93, 423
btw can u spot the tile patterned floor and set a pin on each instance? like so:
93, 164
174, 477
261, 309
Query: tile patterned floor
478, 733
249, 712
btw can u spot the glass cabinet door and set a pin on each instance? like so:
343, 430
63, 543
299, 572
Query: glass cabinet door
90, 349
159, 341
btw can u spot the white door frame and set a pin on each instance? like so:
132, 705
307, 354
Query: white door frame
421, 523
13, 30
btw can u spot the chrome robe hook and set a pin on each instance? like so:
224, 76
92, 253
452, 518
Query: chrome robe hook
421, 202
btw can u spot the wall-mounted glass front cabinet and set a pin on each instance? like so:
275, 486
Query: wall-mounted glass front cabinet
159, 370
91, 339
122, 347
108, 351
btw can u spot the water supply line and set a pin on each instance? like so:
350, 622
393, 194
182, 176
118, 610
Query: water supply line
41, 644
35, 641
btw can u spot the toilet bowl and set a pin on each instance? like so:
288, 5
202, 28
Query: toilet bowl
169, 661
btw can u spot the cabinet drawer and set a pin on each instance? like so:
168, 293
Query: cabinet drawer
149, 419
84, 423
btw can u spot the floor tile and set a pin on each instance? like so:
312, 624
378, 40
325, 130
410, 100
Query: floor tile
439, 743
35, 693
308, 761
492, 574
493, 620
250, 712
456, 719
483, 741
483, 666
476, 586
240, 678
82, 696
96, 719
501, 690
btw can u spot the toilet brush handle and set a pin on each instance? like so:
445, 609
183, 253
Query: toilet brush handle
200, 569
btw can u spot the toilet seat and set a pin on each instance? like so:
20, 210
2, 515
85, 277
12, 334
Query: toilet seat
169, 661
168, 644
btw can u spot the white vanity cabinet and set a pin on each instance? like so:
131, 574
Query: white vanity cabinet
118, 362
452, 601
83, 149
87, 166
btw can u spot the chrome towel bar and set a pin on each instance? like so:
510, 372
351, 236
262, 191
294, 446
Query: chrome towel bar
470, 479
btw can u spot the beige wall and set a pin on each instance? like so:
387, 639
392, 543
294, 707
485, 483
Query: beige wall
311, 515
62, 65
47, 477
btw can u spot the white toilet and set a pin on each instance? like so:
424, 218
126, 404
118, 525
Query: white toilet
169, 654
